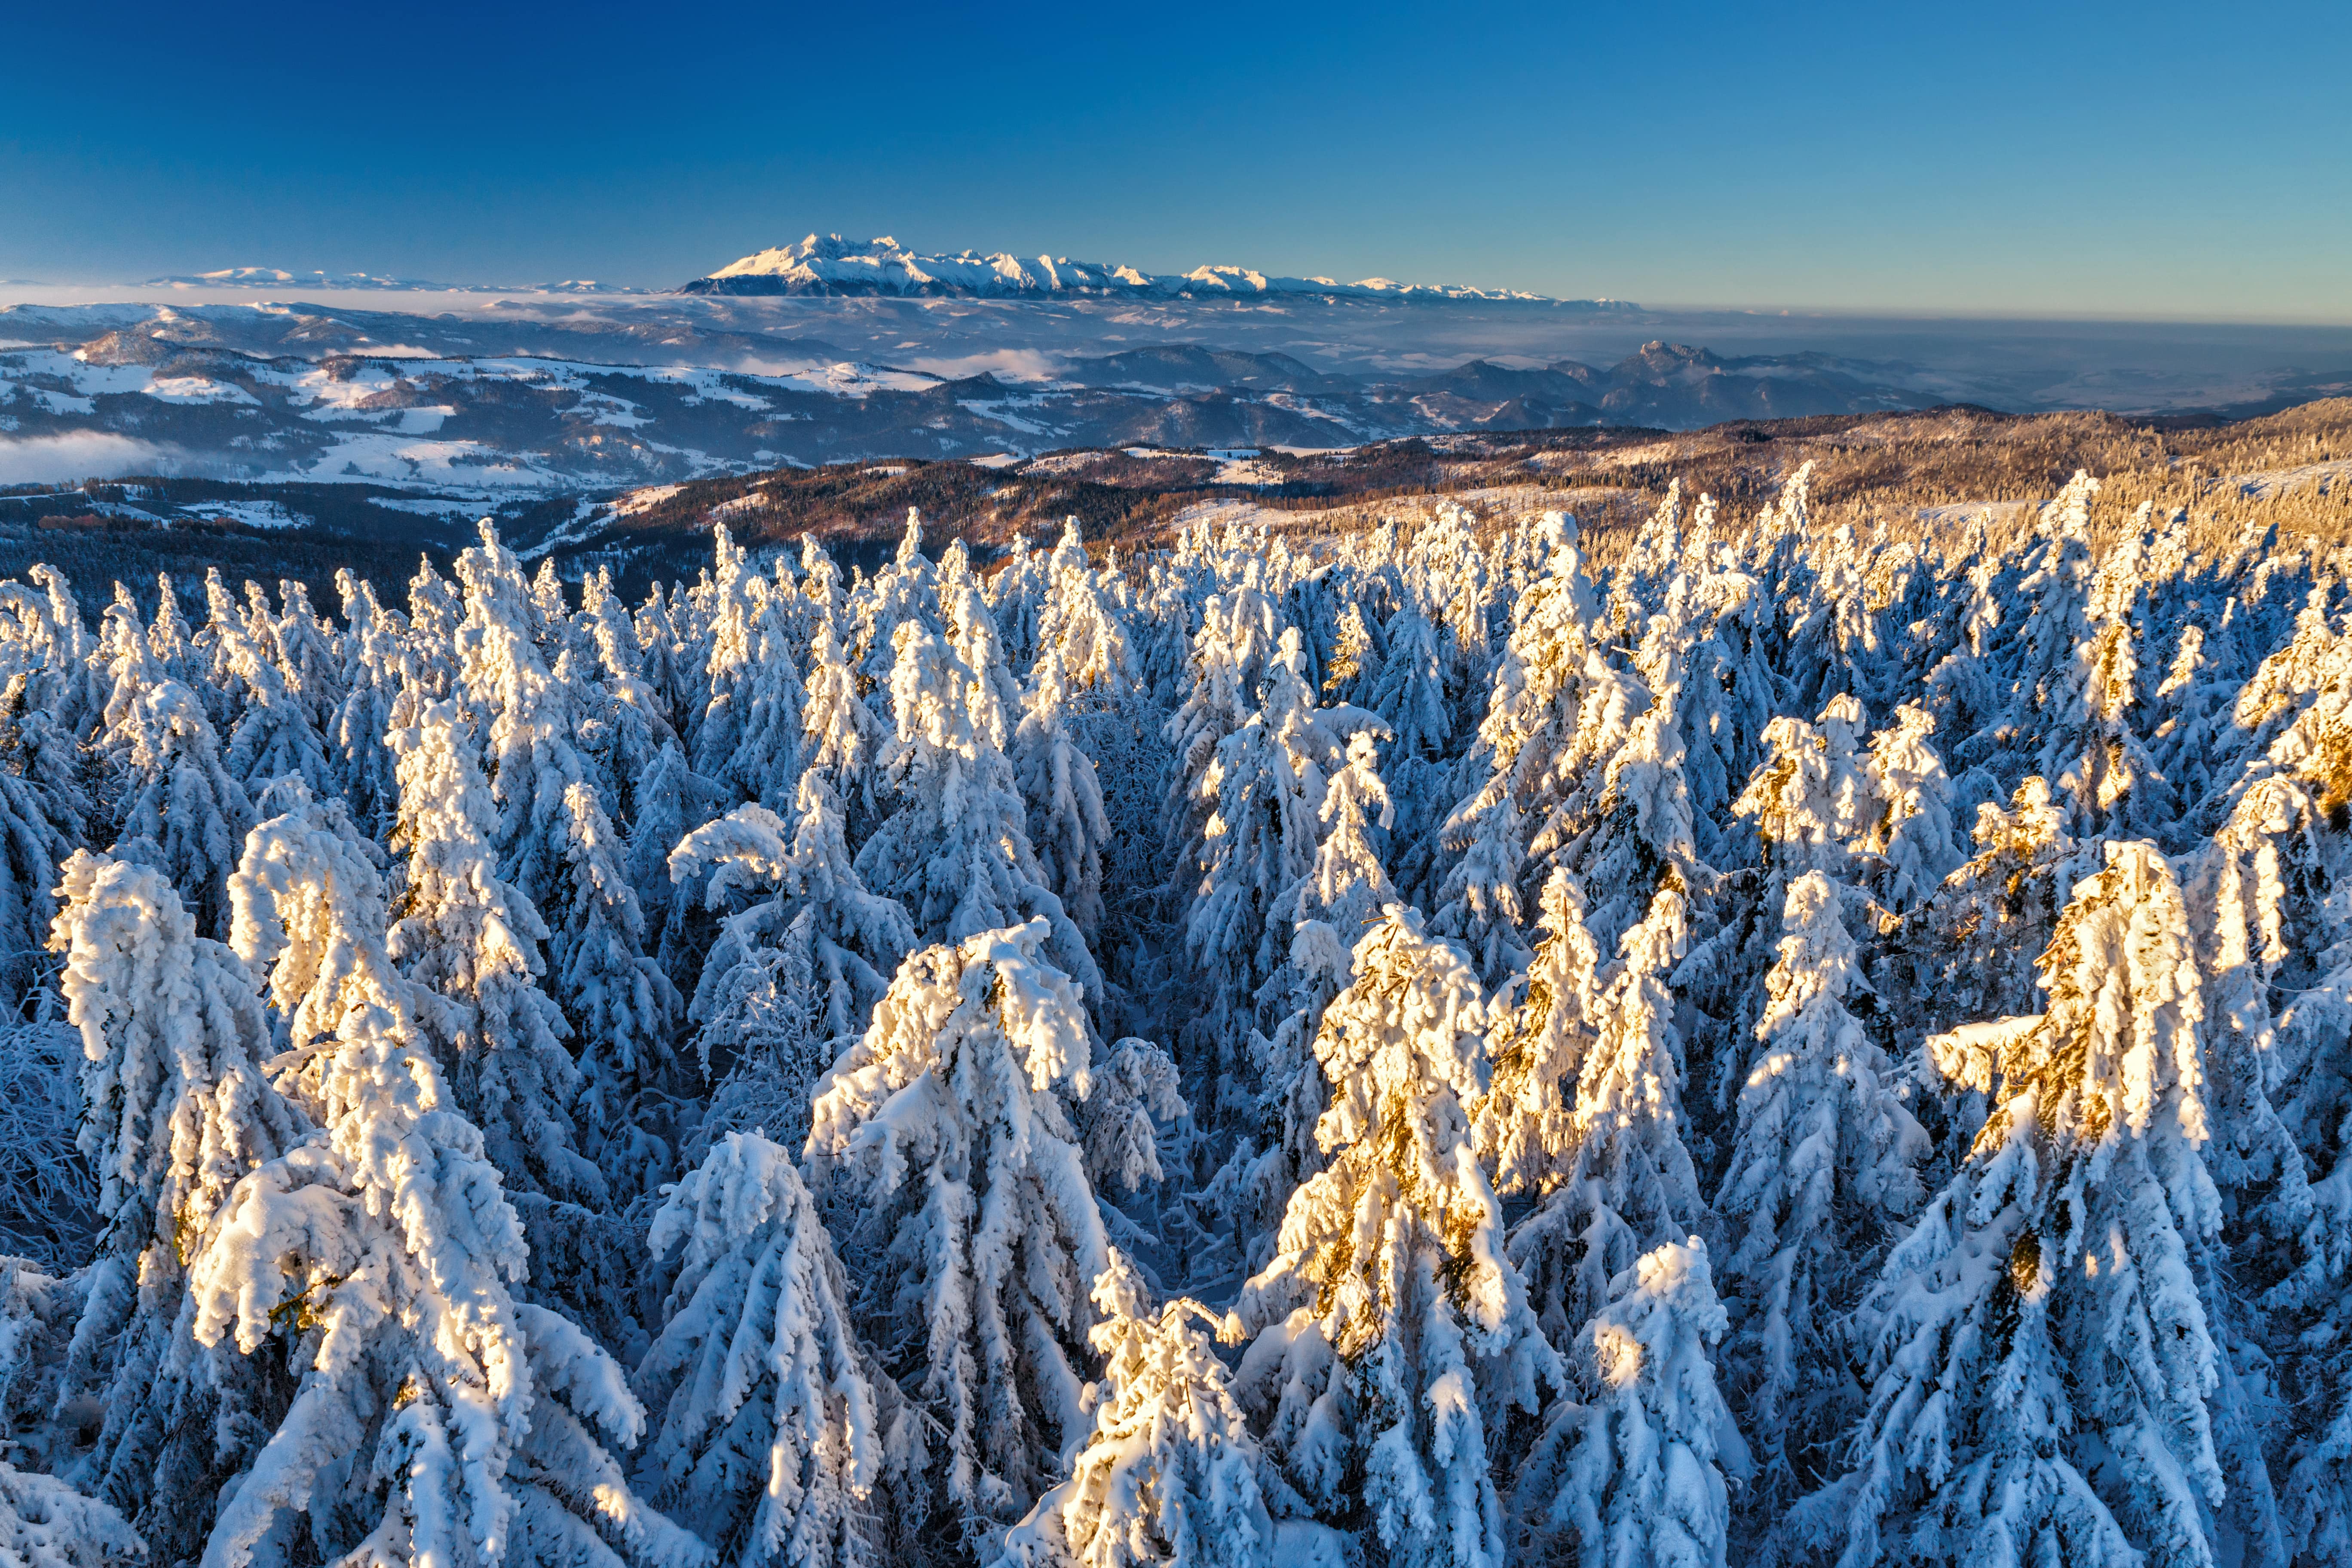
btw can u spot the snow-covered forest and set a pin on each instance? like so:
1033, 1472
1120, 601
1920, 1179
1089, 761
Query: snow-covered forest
1430, 1043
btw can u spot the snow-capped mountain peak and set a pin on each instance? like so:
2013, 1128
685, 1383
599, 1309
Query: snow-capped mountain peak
829, 263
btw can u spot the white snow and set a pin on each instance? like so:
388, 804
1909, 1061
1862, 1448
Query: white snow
251, 513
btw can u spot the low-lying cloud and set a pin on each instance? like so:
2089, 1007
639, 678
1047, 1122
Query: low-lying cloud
1011, 364
78, 455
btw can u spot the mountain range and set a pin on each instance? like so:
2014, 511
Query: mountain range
829, 265
321, 407
832, 351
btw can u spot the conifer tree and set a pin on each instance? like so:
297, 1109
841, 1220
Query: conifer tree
557, 846
943, 1145
1621, 1181
1556, 713
45, 1523
633, 726
177, 1112
750, 737
1913, 840
772, 1431
844, 739
793, 975
376, 670
956, 853
1260, 843
1168, 1474
37, 833
183, 813
1637, 1469
436, 1416
2039, 1356
1067, 822
1969, 951
467, 934
1819, 1179
1391, 1336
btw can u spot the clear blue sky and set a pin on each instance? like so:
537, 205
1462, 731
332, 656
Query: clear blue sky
2159, 159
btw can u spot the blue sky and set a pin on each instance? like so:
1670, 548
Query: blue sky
2145, 159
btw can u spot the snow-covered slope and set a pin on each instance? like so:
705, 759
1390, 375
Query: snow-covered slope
828, 264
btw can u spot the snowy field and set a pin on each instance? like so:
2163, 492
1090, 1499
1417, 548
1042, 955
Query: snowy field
1431, 1031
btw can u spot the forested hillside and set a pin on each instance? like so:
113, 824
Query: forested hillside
1750, 1028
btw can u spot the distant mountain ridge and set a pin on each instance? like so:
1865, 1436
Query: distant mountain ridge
829, 265
278, 279
315, 401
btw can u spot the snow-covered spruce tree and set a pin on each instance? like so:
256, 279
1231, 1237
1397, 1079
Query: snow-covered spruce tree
2279, 995
844, 739
1353, 671
177, 1112
1969, 951
906, 592
377, 666
1326, 910
2040, 1357
558, 849
1710, 642
1775, 551
307, 656
280, 671
183, 813
42, 630
1558, 711
434, 614
2090, 750
796, 970
1343, 893
956, 852
54, 767
226, 624
1066, 823
1409, 697
669, 669
1258, 846
45, 1523
1525, 1124
1832, 647
2190, 726
436, 1418
1168, 1474
1812, 798
1620, 1181
1230, 653
1634, 1472
750, 737
672, 801
631, 725
2269, 1288
37, 831
1811, 802
1637, 588
1821, 1178
2031, 662
466, 934
1408, 691
1913, 844
1016, 596
1392, 1337
943, 1147
772, 1430
169, 634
